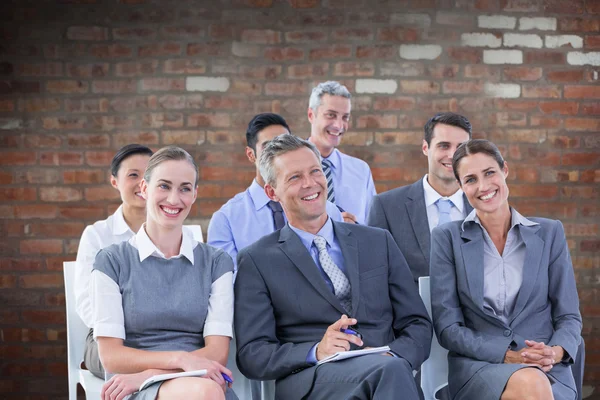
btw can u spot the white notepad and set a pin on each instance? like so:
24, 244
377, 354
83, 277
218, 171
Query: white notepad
343, 355
164, 377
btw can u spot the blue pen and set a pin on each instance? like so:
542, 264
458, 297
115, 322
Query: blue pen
226, 377
349, 331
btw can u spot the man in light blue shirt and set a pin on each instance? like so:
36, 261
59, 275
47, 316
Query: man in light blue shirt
349, 180
247, 216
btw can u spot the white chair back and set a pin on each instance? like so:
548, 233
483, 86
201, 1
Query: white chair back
434, 371
76, 334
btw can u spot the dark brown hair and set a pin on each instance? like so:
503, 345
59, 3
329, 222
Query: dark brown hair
475, 146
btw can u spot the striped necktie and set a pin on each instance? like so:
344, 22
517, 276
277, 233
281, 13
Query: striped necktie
339, 280
326, 164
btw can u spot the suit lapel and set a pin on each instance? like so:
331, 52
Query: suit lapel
472, 252
293, 248
468, 207
534, 246
349, 247
417, 213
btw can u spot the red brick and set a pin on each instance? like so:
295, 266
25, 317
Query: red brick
95, 105
9, 87
590, 245
160, 120
210, 49
38, 105
376, 51
111, 51
184, 66
285, 89
580, 192
523, 73
59, 194
54, 300
590, 109
464, 20
350, 68
217, 120
579, 24
592, 42
520, 5
9, 317
583, 124
6, 178
133, 33
84, 176
394, 103
49, 69
284, 53
37, 176
89, 212
564, 142
44, 317
146, 138
419, 87
582, 92
88, 140
304, 3
353, 34
465, 55
67, 86
160, 49
586, 159
99, 158
383, 121
137, 103
397, 34
114, 86
112, 122
41, 281
544, 57
223, 102
261, 36
545, 121
590, 176
528, 190
565, 76
41, 246
514, 104
559, 107
19, 194
7, 282
7, 105
42, 141
305, 36
539, 91
194, 137
162, 84
136, 68
61, 158
18, 158
266, 72
42, 211
101, 194
465, 87
96, 33
64, 123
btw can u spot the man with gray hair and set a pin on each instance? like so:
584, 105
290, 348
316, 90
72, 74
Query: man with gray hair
349, 180
305, 292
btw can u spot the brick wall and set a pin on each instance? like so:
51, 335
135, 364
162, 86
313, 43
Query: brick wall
79, 78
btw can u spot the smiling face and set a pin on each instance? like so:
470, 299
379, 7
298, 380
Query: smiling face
129, 178
445, 140
170, 193
329, 122
484, 182
301, 188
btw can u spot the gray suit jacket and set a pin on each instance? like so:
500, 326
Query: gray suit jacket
283, 306
546, 308
402, 212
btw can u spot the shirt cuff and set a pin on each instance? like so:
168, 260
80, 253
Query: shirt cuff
109, 330
218, 329
311, 358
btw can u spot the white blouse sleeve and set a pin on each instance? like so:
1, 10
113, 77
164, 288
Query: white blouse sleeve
107, 306
219, 320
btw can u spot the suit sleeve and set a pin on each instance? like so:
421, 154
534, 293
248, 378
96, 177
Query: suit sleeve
563, 296
447, 312
412, 326
260, 355
220, 236
377, 216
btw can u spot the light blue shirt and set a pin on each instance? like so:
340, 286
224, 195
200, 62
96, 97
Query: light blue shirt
353, 184
333, 248
246, 218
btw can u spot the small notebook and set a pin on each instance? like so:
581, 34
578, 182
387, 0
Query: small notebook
164, 377
342, 355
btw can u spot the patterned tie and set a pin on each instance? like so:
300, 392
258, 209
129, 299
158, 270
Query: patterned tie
341, 285
277, 214
444, 206
326, 164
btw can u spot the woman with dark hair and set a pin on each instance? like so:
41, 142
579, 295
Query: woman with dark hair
127, 169
505, 303
163, 302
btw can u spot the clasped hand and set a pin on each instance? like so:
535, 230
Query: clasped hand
536, 353
334, 340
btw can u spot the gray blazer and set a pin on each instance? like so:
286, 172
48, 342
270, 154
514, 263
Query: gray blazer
283, 306
402, 212
546, 309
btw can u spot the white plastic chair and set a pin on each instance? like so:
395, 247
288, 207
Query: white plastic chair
434, 371
76, 334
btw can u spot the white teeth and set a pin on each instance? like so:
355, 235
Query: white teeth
311, 197
488, 196
170, 211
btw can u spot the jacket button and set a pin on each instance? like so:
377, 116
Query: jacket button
507, 332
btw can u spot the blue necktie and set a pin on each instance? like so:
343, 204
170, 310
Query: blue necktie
326, 164
444, 206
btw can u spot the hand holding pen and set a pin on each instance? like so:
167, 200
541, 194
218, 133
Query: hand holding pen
337, 338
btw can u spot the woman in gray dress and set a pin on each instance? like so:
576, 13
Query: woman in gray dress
504, 299
162, 301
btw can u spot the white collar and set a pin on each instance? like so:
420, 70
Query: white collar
119, 226
147, 248
431, 196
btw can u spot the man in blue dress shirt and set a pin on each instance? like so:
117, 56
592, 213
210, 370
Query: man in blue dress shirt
349, 180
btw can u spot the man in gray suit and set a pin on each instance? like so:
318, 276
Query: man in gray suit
298, 288
411, 212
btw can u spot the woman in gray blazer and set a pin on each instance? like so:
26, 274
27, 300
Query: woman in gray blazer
504, 299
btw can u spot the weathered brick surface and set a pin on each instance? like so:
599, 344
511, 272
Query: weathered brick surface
78, 79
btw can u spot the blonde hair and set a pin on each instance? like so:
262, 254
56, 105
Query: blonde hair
170, 153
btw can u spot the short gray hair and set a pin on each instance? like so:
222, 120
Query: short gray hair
169, 153
276, 147
332, 88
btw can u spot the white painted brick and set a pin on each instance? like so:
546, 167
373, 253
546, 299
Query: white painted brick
579, 58
503, 56
543, 24
480, 40
11, 123
420, 52
206, 84
411, 19
502, 90
523, 40
553, 42
376, 86
240, 49
496, 22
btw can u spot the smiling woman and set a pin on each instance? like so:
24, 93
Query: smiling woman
162, 301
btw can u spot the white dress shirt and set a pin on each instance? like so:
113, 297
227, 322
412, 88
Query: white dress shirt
457, 212
108, 319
